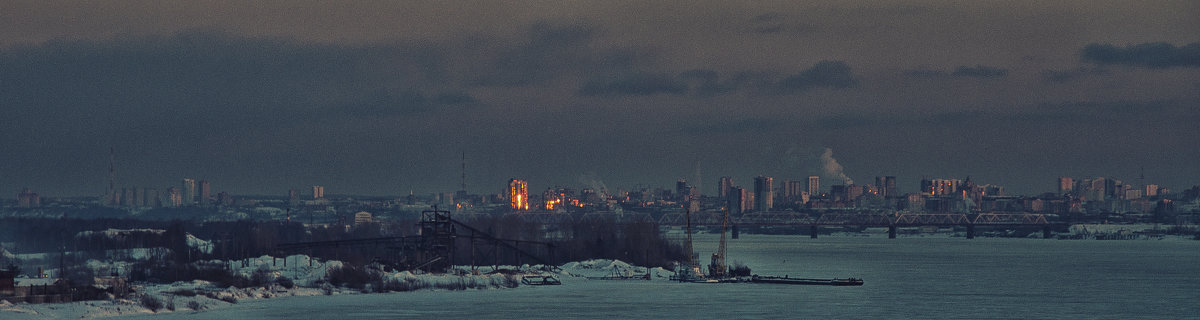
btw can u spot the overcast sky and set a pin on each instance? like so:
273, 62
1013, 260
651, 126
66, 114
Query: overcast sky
383, 97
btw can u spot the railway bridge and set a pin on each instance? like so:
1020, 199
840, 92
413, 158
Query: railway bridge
891, 220
862, 218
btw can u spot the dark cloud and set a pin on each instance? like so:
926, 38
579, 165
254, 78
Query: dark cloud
1062, 76
707, 82
634, 84
1156, 55
980, 71
924, 73
203, 77
767, 23
753, 126
778, 23
385, 104
551, 51
824, 74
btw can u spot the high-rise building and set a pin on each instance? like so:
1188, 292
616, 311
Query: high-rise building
1151, 190
1065, 185
1098, 190
127, 196
174, 197
886, 186
518, 194
723, 187
682, 190
764, 198
189, 192
853, 191
945, 187
737, 200
814, 186
205, 193
318, 192
793, 191
889, 187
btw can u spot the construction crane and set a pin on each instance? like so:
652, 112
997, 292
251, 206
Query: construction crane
718, 269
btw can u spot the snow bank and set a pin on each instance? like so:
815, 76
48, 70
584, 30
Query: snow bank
113, 233
200, 244
308, 273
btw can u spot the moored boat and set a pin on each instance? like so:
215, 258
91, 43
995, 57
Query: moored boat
540, 281
807, 281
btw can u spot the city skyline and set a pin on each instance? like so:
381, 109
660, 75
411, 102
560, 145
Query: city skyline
382, 98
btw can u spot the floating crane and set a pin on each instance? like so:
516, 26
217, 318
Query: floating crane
718, 269
691, 271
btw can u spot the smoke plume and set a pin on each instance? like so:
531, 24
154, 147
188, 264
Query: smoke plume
832, 168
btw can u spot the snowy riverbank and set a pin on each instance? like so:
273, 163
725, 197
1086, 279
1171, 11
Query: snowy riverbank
201, 296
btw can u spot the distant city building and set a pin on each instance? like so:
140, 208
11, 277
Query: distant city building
793, 191
837, 192
683, 191
1132, 194
174, 197
139, 197
205, 193
814, 186
518, 194
224, 199
293, 198
853, 191
1065, 185
723, 187
318, 192
738, 200
886, 187
189, 192
28, 199
127, 196
1151, 190
552, 200
362, 217
151, 196
763, 193
945, 187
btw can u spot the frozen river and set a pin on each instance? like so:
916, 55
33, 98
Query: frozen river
905, 278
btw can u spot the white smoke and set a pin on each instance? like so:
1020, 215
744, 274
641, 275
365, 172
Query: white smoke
832, 168
591, 180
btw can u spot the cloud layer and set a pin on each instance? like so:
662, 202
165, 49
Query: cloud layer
380, 98
1157, 55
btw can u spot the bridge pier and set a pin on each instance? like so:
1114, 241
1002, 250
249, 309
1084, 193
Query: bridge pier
1046, 232
970, 231
735, 231
812, 231
891, 232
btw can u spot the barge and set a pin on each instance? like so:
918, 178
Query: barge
806, 281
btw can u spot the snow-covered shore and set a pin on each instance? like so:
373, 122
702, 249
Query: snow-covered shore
199, 296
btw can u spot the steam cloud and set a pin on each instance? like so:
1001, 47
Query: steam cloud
591, 180
833, 168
